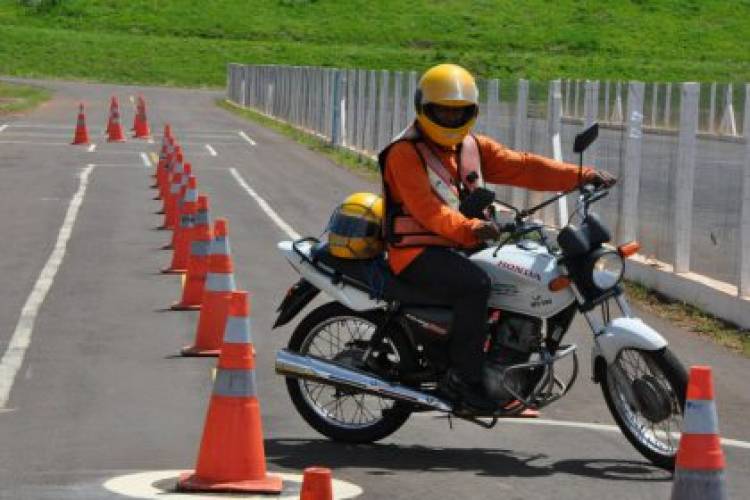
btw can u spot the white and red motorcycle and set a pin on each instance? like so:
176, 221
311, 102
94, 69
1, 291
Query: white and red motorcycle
358, 366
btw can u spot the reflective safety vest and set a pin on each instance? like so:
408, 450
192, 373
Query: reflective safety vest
400, 229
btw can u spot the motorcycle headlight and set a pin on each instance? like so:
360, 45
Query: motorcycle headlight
607, 270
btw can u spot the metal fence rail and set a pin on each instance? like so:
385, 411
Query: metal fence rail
681, 151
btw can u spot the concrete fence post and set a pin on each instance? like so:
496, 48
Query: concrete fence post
590, 114
654, 102
617, 116
492, 110
743, 288
712, 109
520, 138
574, 114
668, 106
606, 101
683, 177
361, 103
372, 104
338, 113
728, 125
630, 176
566, 109
398, 106
410, 111
384, 122
351, 108
554, 124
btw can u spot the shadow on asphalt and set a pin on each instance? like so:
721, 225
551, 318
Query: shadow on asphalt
389, 459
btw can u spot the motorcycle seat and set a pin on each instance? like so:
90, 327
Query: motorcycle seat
375, 277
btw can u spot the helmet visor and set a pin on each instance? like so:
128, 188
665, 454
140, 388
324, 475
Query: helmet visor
450, 116
354, 227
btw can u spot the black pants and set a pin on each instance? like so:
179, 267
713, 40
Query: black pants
449, 275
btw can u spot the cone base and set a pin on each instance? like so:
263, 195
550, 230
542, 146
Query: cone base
168, 246
179, 306
190, 482
195, 351
115, 140
173, 270
82, 143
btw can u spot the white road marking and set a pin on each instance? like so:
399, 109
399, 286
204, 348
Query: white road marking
91, 148
265, 206
146, 161
736, 443
141, 485
3, 127
248, 139
132, 99
211, 150
150, 140
13, 358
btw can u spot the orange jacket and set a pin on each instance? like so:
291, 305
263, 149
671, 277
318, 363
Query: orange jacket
409, 184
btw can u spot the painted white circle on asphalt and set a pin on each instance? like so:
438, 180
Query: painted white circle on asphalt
143, 485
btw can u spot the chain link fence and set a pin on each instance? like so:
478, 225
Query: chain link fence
680, 150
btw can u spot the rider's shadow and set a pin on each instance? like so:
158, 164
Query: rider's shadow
386, 459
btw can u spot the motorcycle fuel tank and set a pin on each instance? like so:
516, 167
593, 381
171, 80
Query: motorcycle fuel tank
520, 274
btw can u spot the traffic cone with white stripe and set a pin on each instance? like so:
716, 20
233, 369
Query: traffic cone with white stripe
174, 163
172, 202
699, 469
114, 127
232, 455
183, 231
317, 484
82, 133
195, 278
216, 295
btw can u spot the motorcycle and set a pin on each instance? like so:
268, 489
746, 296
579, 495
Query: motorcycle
357, 367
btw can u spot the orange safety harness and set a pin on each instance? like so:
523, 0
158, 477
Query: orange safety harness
400, 229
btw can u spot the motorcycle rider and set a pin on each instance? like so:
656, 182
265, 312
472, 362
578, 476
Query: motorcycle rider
427, 171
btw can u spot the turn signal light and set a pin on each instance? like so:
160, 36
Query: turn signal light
628, 249
559, 283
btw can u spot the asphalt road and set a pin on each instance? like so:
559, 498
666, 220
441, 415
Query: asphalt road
100, 393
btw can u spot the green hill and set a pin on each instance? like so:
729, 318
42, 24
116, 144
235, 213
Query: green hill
185, 42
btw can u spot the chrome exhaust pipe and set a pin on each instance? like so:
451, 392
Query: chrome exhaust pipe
291, 364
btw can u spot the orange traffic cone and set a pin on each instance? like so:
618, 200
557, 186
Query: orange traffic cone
231, 455
699, 468
82, 133
183, 231
114, 127
173, 164
218, 290
195, 279
317, 484
171, 202
142, 130
113, 104
166, 149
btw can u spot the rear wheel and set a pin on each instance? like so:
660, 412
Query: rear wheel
336, 333
645, 392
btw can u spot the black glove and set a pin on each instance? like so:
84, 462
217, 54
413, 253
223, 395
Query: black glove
487, 231
601, 179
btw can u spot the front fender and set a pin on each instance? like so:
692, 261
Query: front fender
623, 333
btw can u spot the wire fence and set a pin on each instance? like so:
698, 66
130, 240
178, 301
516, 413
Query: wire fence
680, 150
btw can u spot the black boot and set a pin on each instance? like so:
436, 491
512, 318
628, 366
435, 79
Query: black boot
465, 394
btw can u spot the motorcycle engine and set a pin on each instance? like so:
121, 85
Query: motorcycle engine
513, 340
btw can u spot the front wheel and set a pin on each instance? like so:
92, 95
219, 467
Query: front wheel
336, 333
645, 392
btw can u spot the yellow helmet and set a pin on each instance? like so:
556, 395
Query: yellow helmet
354, 231
447, 86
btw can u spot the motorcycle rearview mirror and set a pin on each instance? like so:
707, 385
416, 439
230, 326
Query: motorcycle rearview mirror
581, 143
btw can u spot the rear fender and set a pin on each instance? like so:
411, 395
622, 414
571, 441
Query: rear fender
347, 295
298, 296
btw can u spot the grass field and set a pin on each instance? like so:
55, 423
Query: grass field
183, 42
16, 98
